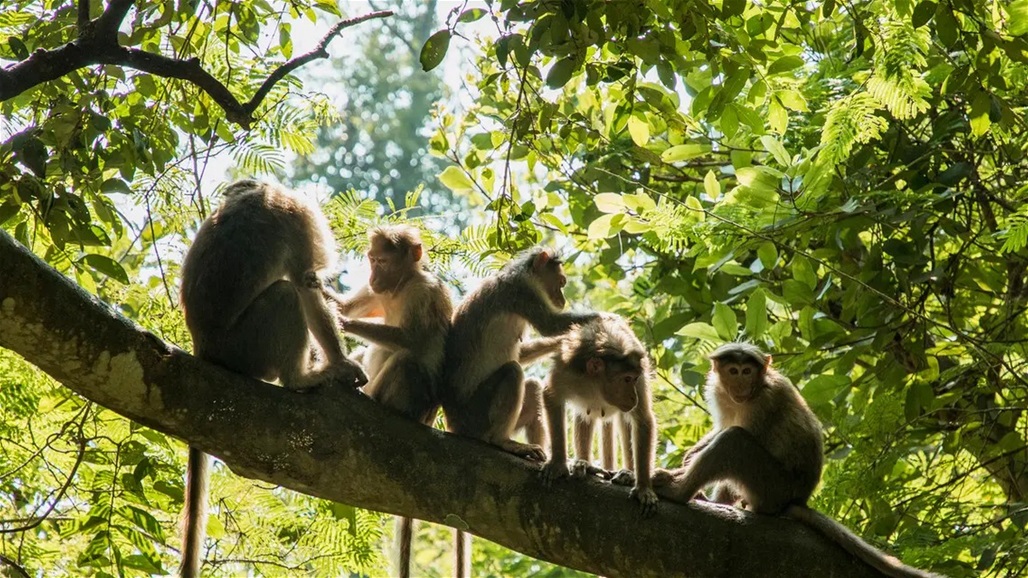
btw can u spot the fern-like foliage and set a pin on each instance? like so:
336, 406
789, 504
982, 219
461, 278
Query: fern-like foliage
849, 121
896, 81
1016, 235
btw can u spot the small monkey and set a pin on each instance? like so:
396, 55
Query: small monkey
405, 355
602, 372
483, 383
765, 450
250, 307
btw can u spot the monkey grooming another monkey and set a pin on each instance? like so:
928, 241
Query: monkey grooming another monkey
765, 449
602, 373
250, 308
483, 383
405, 354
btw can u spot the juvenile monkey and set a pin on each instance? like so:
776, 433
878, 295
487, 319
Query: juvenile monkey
249, 307
765, 449
483, 383
405, 356
602, 373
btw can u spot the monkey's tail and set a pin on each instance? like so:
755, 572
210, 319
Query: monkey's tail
404, 535
194, 519
841, 535
461, 554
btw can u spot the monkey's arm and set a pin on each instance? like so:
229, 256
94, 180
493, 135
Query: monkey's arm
531, 351
557, 466
361, 303
547, 320
644, 431
389, 337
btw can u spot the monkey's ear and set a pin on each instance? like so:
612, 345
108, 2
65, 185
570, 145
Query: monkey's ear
767, 362
415, 252
594, 366
542, 259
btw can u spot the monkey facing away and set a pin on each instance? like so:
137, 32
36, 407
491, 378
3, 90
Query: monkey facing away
483, 383
602, 372
764, 450
405, 355
250, 308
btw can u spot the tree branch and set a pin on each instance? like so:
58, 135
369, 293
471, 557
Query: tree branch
98, 44
341, 446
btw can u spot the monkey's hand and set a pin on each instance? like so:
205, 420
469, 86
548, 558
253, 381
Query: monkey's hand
349, 374
311, 280
623, 478
647, 497
554, 470
579, 468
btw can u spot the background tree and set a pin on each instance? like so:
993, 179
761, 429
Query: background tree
380, 145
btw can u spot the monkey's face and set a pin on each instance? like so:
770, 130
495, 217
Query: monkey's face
741, 380
389, 267
551, 276
619, 382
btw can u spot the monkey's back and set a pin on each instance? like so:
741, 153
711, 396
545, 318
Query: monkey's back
259, 235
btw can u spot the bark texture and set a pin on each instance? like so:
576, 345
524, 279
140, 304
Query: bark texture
341, 446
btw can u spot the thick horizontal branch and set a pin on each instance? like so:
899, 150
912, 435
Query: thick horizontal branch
341, 446
97, 44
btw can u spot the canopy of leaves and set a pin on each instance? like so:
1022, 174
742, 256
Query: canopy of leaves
842, 184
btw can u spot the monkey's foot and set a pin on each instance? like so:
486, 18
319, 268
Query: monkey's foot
311, 280
346, 373
647, 497
554, 471
532, 452
579, 468
623, 478
662, 477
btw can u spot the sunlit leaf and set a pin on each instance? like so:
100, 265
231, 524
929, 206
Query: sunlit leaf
434, 50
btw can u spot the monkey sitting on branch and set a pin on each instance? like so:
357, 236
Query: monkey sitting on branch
405, 356
602, 372
765, 450
250, 307
482, 391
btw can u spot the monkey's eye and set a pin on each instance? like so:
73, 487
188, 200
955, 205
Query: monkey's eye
733, 371
629, 379
747, 370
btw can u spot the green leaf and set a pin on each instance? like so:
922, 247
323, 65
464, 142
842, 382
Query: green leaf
803, 272
792, 100
609, 202
725, 322
455, 179
560, 73
1017, 20
471, 15
711, 185
639, 129
980, 106
823, 388
785, 64
923, 13
605, 226
18, 47
684, 152
700, 330
777, 150
732, 8
434, 50
768, 255
919, 398
756, 314
107, 266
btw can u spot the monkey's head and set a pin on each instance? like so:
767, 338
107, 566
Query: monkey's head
740, 369
619, 377
394, 253
549, 273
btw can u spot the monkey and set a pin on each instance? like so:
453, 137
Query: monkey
405, 352
483, 383
602, 372
765, 451
249, 307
